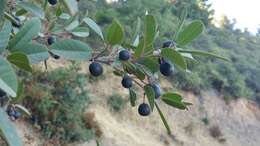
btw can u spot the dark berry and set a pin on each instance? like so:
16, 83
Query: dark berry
17, 115
95, 69
168, 44
127, 82
124, 55
52, 2
157, 90
2, 93
17, 22
51, 40
166, 68
10, 112
144, 109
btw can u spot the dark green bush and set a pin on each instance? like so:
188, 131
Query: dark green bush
58, 100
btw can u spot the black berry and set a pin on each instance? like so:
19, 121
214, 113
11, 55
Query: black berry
166, 68
17, 115
10, 112
51, 40
52, 2
127, 82
144, 109
95, 69
169, 44
124, 55
157, 90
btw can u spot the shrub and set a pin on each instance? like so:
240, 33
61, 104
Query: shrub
59, 106
116, 102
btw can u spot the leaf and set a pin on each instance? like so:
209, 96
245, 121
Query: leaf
150, 95
93, 25
20, 60
2, 8
5, 35
183, 16
30, 29
8, 130
118, 73
173, 95
32, 8
71, 5
150, 27
115, 33
139, 49
174, 100
165, 123
137, 29
203, 53
20, 12
132, 95
72, 25
150, 62
23, 109
80, 32
129, 67
35, 52
139, 73
20, 92
58, 11
189, 33
175, 57
8, 79
72, 50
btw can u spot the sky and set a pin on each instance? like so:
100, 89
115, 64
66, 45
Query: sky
246, 12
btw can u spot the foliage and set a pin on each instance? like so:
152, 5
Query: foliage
59, 107
116, 102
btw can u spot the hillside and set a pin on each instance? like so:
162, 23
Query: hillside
238, 122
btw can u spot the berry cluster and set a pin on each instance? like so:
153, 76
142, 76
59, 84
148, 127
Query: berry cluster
166, 69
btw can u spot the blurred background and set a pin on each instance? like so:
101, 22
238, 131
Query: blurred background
72, 108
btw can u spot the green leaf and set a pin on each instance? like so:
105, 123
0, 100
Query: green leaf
71, 5
35, 52
80, 32
203, 53
139, 49
58, 11
23, 109
150, 63
173, 100
137, 29
32, 8
132, 95
139, 73
115, 33
150, 27
118, 73
150, 95
19, 94
72, 49
20, 12
175, 57
8, 79
173, 95
93, 25
165, 123
8, 130
30, 29
5, 35
189, 33
20, 60
129, 67
2, 8
182, 18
